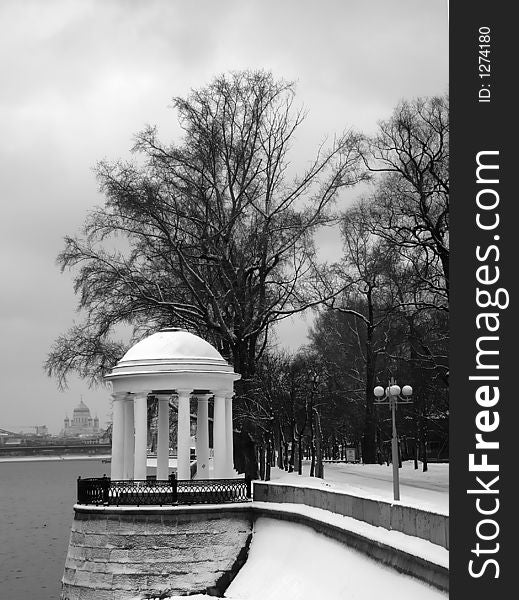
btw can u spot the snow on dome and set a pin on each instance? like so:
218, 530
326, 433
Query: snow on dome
172, 343
172, 358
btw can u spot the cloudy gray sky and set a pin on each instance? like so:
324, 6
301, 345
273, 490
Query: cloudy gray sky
79, 77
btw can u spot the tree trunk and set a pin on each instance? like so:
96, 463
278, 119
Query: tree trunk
281, 448
378, 444
292, 450
319, 467
262, 462
423, 436
300, 454
416, 442
369, 452
269, 458
312, 445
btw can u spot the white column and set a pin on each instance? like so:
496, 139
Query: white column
219, 437
141, 434
183, 435
228, 433
117, 463
163, 439
129, 439
202, 437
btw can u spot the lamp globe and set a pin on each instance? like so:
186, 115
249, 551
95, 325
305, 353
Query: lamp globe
379, 392
394, 390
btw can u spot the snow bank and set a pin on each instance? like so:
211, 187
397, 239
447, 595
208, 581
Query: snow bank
395, 539
288, 561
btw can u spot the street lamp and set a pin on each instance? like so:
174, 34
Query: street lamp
391, 396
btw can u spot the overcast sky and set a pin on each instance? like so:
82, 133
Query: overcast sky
78, 78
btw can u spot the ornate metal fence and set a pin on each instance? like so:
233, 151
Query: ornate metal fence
106, 492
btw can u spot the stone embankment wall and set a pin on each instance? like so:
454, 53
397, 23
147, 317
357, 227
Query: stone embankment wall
409, 520
118, 554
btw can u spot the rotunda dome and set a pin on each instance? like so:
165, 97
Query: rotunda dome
172, 343
171, 357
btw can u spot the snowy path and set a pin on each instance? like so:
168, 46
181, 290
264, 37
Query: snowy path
346, 472
429, 490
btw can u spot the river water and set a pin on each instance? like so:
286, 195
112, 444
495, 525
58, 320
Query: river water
36, 512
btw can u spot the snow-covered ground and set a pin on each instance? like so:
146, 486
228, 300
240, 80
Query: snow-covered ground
413, 545
288, 561
428, 491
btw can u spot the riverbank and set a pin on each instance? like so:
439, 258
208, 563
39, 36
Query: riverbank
11, 459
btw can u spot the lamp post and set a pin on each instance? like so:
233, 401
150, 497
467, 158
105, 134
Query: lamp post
391, 396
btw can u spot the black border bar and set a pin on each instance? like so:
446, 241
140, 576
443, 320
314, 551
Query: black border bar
483, 126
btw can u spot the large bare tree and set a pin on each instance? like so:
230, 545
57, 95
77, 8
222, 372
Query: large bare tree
213, 233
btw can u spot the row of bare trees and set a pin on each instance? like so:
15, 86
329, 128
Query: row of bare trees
215, 233
383, 309
315, 404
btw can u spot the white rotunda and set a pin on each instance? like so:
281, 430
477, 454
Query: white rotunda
171, 362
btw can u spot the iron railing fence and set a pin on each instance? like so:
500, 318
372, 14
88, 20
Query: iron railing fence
107, 492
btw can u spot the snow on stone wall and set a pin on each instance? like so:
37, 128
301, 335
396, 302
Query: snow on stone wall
392, 516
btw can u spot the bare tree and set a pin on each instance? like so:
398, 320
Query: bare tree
211, 233
367, 297
410, 206
396, 245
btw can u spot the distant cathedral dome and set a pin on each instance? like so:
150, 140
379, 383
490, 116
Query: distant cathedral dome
82, 424
81, 408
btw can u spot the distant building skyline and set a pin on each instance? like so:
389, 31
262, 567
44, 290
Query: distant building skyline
82, 424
